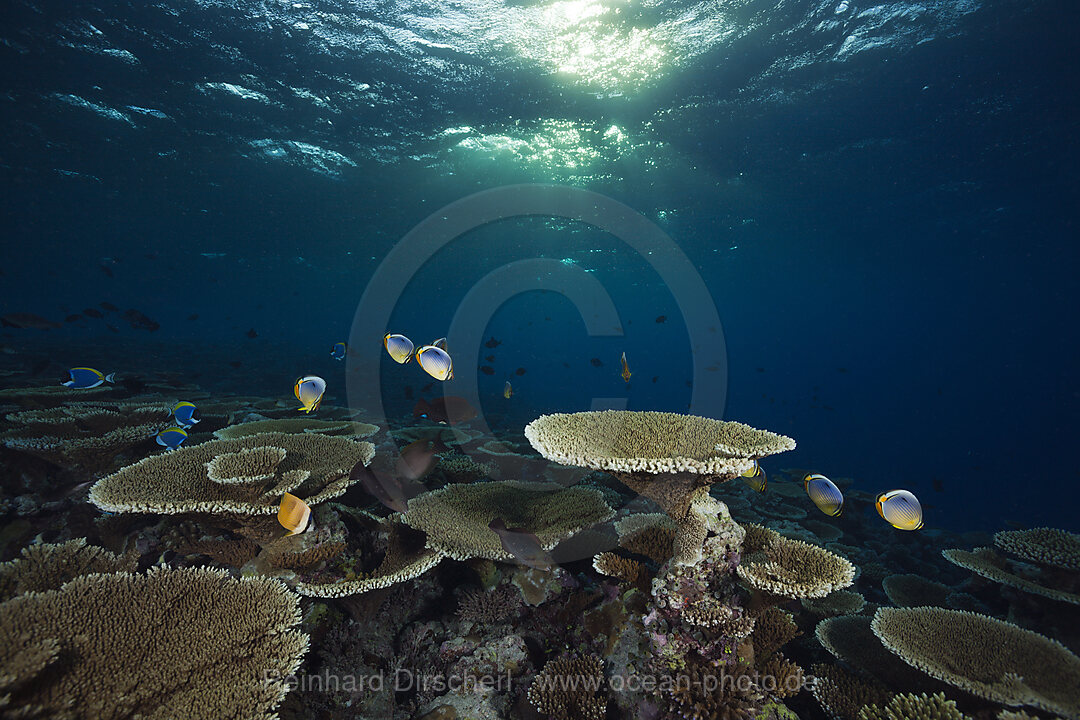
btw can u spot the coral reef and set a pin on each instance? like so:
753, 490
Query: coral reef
48, 566
571, 688
298, 425
914, 707
791, 568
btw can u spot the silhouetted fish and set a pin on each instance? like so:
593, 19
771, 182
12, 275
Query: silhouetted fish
251, 333
445, 409
193, 316
417, 459
383, 488
596, 362
27, 321
661, 318
108, 307
489, 358
519, 371
655, 378
235, 363
73, 318
106, 269
91, 312
522, 544
487, 369
140, 322
492, 343
760, 369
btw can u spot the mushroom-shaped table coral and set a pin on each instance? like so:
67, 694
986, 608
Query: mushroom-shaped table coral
790, 568
984, 656
1047, 546
456, 518
838, 602
990, 565
915, 591
192, 643
345, 428
47, 566
245, 476
669, 458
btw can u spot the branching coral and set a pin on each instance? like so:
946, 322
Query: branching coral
914, 707
1048, 546
613, 565
842, 695
987, 657
570, 688
124, 646
489, 606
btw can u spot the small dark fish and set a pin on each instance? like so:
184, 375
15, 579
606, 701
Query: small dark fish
235, 363
760, 369
661, 318
519, 371
92, 313
27, 321
655, 378
492, 343
251, 333
408, 392
138, 321
938, 485
445, 409
565, 364
193, 316
841, 369
73, 318
489, 358
487, 369
427, 388
107, 270
108, 307
596, 362
522, 544
417, 459
383, 488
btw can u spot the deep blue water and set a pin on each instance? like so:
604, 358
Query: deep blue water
879, 199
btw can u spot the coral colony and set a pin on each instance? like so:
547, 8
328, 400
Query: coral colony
611, 568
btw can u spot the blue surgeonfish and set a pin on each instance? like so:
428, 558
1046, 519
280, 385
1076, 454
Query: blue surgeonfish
339, 350
435, 362
755, 478
293, 514
84, 378
309, 391
825, 494
399, 347
186, 414
172, 438
900, 509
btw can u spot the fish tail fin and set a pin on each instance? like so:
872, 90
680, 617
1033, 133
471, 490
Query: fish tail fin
110, 378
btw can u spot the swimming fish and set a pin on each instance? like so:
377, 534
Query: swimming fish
293, 514
186, 414
448, 409
84, 378
489, 358
519, 371
309, 391
399, 347
108, 306
487, 369
508, 391
435, 362
522, 544
418, 458
596, 362
384, 488
441, 344
625, 369
172, 437
661, 318
824, 493
93, 313
493, 343
339, 350
900, 509
755, 477
138, 321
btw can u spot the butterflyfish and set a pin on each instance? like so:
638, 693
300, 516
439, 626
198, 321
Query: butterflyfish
399, 347
508, 391
825, 494
339, 350
900, 509
293, 514
625, 369
435, 362
172, 438
755, 477
84, 378
441, 344
309, 391
186, 414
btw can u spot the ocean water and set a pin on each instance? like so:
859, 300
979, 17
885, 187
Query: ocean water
849, 222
